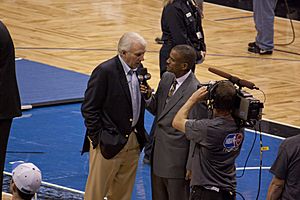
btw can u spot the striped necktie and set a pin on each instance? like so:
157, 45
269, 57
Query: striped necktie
172, 89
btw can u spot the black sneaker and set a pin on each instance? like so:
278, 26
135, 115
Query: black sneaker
252, 44
255, 49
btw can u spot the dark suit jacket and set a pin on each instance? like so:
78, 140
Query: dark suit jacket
107, 105
10, 105
180, 23
171, 147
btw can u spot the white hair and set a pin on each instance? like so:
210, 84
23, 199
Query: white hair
128, 39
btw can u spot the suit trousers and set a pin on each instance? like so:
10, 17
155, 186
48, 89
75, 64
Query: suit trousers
5, 125
169, 188
113, 178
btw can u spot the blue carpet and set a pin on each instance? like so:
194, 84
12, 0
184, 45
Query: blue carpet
41, 84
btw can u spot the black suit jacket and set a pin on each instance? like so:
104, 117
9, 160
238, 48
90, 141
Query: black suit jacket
10, 105
107, 108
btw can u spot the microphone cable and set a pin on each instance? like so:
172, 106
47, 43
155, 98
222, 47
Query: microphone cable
260, 160
254, 140
292, 25
244, 168
252, 146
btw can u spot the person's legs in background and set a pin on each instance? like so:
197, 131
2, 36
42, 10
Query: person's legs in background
148, 150
163, 57
264, 14
149, 146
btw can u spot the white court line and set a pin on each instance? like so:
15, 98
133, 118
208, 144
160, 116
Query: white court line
26, 107
16, 59
24, 116
251, 168
54, 185
265, 134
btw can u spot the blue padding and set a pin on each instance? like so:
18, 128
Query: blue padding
40, 83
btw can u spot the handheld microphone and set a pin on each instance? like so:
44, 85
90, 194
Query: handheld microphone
143, 76
234, 79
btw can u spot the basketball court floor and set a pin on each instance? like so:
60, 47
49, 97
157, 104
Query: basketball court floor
62, 42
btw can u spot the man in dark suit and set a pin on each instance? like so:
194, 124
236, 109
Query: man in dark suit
171, 148
10, 105
181, 23
113, 110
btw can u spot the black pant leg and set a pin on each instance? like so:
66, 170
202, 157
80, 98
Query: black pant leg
196, 193
5, 125
200, 193
229, 195
163, 57
148, 147
193, 68
159, 189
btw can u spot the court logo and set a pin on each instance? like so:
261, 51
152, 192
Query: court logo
233, 141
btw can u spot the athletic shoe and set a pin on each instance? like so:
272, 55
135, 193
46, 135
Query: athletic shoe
253, 48
251, 44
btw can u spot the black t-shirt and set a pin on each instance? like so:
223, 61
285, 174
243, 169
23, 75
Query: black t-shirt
287, 167
218, 143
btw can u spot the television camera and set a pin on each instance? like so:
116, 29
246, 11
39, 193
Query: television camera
247, 109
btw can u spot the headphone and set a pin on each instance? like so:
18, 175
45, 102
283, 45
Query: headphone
214, 99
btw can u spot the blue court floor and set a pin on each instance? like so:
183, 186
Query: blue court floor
52, 136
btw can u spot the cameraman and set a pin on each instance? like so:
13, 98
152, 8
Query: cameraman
218, 143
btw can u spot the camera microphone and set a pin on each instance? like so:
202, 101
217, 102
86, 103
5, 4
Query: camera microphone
143, 75
234, 79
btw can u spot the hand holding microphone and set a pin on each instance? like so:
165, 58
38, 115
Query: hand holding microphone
143, 76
